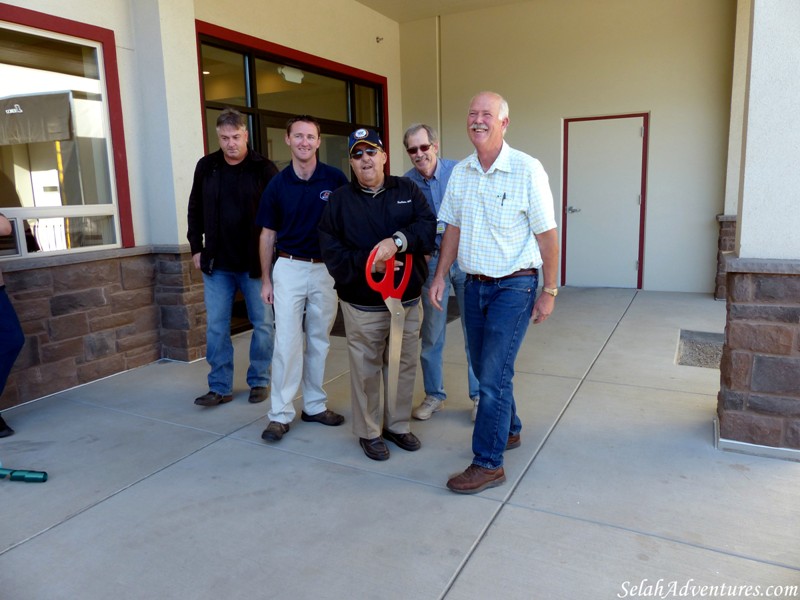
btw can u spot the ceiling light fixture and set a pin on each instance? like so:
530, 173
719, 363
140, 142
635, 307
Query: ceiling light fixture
291, 74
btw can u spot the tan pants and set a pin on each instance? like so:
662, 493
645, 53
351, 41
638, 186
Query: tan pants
368, 348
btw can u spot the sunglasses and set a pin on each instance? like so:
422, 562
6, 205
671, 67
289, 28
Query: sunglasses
359, 153
423, 148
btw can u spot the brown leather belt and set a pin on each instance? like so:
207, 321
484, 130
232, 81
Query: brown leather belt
283, 254
520, 273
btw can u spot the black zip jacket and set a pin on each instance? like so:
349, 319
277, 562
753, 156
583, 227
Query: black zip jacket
355, 220
204, 205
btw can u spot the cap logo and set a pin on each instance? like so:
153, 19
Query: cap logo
360, 133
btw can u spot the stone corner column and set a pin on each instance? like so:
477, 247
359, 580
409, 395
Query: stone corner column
726, 244
759, 399
179, 296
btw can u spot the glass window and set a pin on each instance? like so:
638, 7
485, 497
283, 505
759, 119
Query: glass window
279, 91
224, 76
282, 88
333, 151
55, 156
366, 105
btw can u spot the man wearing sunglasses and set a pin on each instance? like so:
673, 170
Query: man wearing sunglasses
431, 173
391, 216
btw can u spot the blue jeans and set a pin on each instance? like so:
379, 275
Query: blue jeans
11, 337
220, 290
497, 315
434, 328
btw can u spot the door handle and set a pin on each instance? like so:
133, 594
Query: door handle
572, 209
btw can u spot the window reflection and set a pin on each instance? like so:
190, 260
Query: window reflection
286, 89
55, 163
224, 76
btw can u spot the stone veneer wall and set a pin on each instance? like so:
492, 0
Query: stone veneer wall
726, 244
179, 296
92, 315
759, 399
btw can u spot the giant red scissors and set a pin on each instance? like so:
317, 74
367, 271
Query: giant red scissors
393, 298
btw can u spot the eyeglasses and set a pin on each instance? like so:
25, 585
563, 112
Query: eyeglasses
355, 155
423, 148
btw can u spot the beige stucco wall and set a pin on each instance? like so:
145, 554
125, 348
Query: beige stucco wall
769, 219
554, 59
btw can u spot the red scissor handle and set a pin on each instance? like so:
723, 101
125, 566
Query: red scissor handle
385, 286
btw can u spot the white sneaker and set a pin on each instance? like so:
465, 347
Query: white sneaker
429, 406
475, 399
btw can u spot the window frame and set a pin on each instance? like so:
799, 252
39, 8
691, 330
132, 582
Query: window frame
42, 24
208, 33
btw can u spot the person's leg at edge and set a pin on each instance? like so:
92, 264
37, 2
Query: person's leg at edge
218, 293
506, 309
289, 300
11, 341
320, 315
432, 333
458, 280
262, 341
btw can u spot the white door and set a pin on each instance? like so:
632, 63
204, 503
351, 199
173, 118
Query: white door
604, 201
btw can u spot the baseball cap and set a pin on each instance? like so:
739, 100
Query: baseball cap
368, 136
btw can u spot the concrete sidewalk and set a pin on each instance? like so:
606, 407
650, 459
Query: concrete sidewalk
617, 490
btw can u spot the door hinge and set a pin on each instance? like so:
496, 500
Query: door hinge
637, 266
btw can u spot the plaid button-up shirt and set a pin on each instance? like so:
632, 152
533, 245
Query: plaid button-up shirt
498, 212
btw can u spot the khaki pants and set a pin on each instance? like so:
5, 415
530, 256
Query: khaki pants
368, 348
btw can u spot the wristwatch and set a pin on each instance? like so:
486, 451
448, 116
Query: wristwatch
397, 242
552, 291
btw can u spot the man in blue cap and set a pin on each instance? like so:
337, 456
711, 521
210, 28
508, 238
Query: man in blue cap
391, 216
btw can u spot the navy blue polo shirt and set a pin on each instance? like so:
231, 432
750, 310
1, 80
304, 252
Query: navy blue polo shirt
292, 207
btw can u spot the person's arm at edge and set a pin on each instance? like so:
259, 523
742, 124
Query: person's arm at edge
266, 250
448, 251
548, 246
5, 225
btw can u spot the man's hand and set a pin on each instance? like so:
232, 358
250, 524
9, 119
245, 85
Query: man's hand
196, 260
543, 307
266, 291
436, 291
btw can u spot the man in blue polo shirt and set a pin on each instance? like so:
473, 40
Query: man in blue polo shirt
299, 283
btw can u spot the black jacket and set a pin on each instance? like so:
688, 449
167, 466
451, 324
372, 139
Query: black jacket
204, 205
355, 220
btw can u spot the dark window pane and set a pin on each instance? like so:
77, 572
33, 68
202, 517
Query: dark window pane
366, 105
293, 91
224, 76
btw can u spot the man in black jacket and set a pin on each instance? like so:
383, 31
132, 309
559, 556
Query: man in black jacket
389, 214
223, 236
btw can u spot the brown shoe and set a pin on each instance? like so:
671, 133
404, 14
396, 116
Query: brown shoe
326, 417
513, 441
274, 431
258, 394
374, 448
476, 479
407, 441
212, 399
